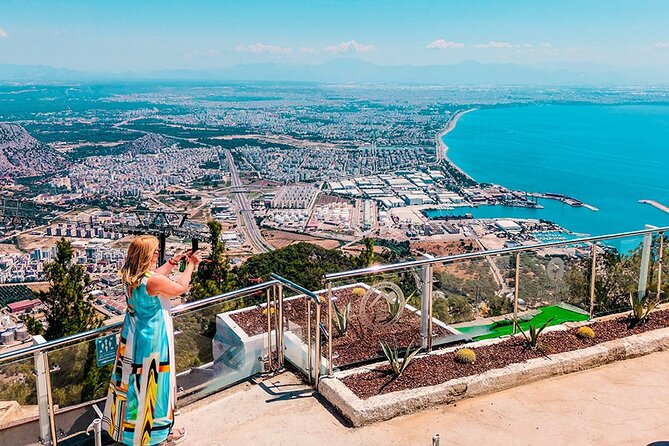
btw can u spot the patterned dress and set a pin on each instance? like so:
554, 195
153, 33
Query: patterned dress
142, 392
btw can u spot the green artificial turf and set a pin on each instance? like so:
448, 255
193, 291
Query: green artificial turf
559, 314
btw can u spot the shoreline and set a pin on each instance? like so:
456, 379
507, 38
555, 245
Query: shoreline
450, 126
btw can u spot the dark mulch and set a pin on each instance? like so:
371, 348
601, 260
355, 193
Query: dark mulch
436, 369
358, 344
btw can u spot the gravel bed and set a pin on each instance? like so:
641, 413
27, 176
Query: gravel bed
358, 344
435, 369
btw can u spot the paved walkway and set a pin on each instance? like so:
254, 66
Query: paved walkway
619, 404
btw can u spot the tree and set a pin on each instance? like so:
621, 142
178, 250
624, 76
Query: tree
213, 275
34, 326
69, 306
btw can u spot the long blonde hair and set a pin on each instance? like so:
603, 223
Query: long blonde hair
139, 260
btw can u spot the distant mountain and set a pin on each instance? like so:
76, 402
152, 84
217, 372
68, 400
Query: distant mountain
21, 155
355, 70
149, 143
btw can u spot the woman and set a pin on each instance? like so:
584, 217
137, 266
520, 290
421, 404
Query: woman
142, 392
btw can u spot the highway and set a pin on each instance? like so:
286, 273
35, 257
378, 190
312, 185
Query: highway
245, 210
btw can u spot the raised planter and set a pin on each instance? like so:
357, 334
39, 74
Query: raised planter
386, 406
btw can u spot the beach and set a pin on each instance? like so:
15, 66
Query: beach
452, 122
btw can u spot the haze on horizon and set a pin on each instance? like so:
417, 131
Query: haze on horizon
625, 36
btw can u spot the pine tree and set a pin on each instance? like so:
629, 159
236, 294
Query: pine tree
367, 256
213, 275
69, 306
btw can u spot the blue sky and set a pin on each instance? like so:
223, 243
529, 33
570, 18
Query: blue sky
144, 35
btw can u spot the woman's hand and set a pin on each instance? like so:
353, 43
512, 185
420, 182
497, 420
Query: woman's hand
195, 258
177, 258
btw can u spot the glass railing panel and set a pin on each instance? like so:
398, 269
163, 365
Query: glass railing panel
219, 345
481, 303
18, 402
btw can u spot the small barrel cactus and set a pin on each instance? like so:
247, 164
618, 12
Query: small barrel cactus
465, 356
585, 332
359, 291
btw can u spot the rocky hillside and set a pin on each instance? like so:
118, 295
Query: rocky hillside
149, 143
21, 155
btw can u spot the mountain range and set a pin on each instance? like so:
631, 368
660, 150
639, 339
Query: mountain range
21, 155
355, 70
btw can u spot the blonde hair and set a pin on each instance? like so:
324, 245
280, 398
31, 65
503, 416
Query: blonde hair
139, 260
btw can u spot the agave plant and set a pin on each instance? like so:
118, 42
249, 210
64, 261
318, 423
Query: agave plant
342, 318
532, 335
393, 307
393, 357
642, 306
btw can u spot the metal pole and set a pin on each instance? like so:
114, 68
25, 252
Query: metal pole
161, 248
425, 309
659, 265
42, 398
330, 366
430, 295
279, 345
97, 431
317, 336
276, 322
515, 293
593, 275
52, 416
269, 333
435, 440
645, 263
309, 339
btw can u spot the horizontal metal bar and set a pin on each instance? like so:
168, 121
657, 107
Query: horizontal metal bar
117, 325
474, 255
222, 297
296, 287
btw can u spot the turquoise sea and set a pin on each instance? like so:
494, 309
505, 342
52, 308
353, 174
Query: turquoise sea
607, 156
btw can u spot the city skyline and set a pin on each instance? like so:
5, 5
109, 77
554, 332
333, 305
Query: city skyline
621, 35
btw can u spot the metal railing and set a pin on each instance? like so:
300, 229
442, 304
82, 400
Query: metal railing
424, 269
39, 352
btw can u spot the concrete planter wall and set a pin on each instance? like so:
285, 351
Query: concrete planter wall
384, 407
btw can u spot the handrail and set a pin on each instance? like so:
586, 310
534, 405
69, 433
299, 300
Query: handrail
296, 287
474, 255
96, 331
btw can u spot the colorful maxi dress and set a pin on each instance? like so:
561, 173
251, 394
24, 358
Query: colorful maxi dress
142, 392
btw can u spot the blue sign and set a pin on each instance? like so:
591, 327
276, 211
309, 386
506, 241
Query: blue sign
105, 349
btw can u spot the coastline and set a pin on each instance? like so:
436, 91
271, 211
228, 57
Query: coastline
441, 146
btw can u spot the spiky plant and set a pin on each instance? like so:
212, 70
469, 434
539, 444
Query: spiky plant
465, 356
533, 334
358, 291
397, 365
394, 307
342, 318
642, 306
585, 332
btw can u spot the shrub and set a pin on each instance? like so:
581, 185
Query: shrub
394, 308
585, 332
341, 322
465, 356
393, 357
359, 291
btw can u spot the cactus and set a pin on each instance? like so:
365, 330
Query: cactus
465, 356
642, 306
358, 291
585, 332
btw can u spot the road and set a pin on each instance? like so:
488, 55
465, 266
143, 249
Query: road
245, 210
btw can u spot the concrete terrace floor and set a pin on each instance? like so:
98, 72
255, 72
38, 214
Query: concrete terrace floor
624, 403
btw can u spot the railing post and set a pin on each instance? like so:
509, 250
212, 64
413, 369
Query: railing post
593, 276
516, 291
330, 366
435, 440
309, 339
317, 339
645, 263
280, 332
269, 329
425, 308
659, 265
47, 427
